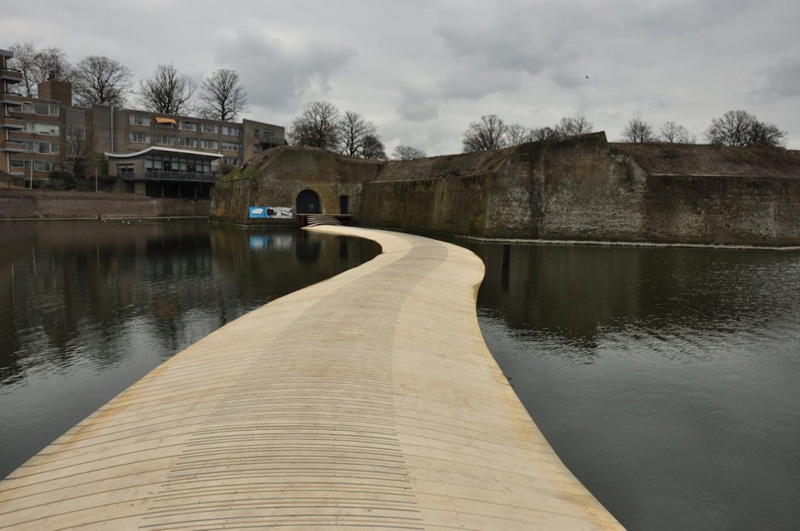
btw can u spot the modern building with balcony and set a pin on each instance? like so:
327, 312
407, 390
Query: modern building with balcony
163, 155
166, 172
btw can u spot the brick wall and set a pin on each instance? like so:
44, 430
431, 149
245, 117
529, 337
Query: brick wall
50, 205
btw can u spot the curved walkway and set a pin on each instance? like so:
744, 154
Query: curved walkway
366, 401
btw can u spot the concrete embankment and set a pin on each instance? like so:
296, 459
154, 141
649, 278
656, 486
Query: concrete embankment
39, 204
369, 400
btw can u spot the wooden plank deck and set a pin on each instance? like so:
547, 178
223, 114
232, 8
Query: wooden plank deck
366, 401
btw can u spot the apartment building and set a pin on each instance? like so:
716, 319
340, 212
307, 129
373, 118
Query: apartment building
43, 134
119, 131
8, 124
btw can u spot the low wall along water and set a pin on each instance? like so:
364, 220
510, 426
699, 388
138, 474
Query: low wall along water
19, 204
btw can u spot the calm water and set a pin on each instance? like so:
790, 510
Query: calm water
88, 308
667, 379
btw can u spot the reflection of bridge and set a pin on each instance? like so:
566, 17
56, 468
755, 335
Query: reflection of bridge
369, 400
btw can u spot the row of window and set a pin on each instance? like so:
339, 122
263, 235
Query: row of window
146, 121
177, 164
163, 140
44, 109
266, 135
41, 129
38, 165
45, 148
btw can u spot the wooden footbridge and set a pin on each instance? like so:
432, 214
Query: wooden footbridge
366, 401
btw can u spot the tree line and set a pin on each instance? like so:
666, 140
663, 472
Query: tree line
322, 125
491, 132
98, 79
734, 128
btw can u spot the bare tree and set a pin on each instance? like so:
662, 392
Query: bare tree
517, 134
24, 60
739, 128
638, 131
543, 133
573, 126
353, 131
488, 133
373, 148
316, 126
38, 65
222, 97
77, 157
676, 134
402, 152
167, 91
52, 61
767, 134
98, 79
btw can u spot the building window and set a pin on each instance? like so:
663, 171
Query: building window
125, 170
38, 165
161, 140
256, 148
231, 131
44, 148
187, 142
232, 161
140, 120
210, 128
231, 146
45, 109
142, 138
188, 126
209, 144
41, 129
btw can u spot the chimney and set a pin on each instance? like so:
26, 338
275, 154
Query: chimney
52, 89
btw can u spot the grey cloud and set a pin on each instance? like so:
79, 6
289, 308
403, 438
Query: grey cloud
275, 75
686, 16
516, 39
474, 83
417, 106
495, 52
568, 79
783, 81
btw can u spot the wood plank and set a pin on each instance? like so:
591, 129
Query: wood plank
368, 400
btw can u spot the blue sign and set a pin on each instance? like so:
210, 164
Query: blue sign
258, 212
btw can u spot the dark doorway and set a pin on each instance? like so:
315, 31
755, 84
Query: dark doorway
308, 202
343, 204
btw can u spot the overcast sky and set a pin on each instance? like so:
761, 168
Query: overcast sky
421, 70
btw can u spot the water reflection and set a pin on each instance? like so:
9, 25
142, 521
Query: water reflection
666, 378
86, 308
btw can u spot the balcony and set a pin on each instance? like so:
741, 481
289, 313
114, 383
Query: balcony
13, 123
11, 100
173, 176
13, 146
10, 74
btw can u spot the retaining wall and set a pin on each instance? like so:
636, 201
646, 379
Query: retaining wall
580, 188
43, 205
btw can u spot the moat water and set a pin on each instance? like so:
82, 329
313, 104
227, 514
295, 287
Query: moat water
665, 378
